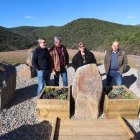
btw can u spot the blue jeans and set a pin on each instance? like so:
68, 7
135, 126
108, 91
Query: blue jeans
43, 77
114, 75
64, 78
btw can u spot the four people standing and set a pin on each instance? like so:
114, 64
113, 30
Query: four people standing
56, 61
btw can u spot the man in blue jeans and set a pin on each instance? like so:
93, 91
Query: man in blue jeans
60, 60
115, 64
42, 63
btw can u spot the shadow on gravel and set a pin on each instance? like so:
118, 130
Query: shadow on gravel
129, 80
24, 94
41, 131
72, 103
136, 134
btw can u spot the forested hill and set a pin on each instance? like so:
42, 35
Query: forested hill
13, 41
97, 35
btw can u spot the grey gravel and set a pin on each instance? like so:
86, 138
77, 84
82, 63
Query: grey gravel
19, 120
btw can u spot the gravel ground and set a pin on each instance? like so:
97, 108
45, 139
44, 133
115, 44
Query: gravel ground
19, 120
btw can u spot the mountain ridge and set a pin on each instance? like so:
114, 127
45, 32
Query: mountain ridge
97, 34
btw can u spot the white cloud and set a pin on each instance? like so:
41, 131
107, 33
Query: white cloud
29, 17
131, 17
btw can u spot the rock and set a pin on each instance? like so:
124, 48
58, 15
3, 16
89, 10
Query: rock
7, 83
29, 58
87, 91
29, 62
26, 71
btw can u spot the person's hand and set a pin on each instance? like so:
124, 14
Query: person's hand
66, 66
54, 72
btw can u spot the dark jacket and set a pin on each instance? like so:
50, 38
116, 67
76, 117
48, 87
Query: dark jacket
77, 60
41, 59
55, 57
122, 61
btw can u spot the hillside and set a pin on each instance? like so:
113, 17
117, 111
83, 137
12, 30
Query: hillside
10, 41
97, 34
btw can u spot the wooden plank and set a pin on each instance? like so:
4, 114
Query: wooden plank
93, 130
111, 115
97, 123
42, 92
77, 131
47, 114
130, 134
51, 101
53, 113
106, 109
53, 130
40, 119
44, 110
56, 107
125, 116
122, 113
90, 125
124, 108
122, 101
91, 137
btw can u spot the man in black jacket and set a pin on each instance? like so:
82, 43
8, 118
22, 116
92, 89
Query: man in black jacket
42, 63
82, 57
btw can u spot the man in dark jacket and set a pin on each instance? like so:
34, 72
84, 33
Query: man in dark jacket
115, 63
42, 63
82, 57
60, 60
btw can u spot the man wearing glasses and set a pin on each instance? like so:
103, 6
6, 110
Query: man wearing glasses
60, 60
42, 63
82, 57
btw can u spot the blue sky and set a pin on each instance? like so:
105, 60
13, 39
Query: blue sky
59, 12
